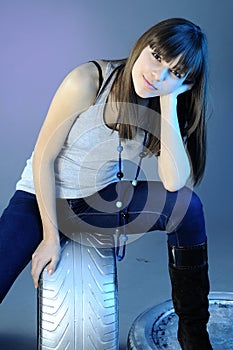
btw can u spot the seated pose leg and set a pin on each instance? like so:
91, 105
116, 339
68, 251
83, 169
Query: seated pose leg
149, 207
20, 234
188, 270
145, 207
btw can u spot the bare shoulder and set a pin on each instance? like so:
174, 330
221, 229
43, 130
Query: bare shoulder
83, 80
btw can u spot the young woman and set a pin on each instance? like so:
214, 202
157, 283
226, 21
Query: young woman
152, 103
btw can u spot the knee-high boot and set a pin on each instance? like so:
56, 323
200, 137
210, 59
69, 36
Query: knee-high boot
188, 270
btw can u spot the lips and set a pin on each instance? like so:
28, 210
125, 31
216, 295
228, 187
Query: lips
148, 84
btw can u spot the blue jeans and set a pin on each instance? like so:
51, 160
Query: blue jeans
146, 207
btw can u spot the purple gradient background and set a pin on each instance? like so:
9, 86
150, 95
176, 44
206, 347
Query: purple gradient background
41, 41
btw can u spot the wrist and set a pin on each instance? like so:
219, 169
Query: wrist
50, 233
168, 105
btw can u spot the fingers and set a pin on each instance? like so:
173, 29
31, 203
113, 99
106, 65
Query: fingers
184, 88
47, 253
189, 86
52, 266
38, 265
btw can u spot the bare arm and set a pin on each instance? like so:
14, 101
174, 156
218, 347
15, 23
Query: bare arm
173, 162
75, 94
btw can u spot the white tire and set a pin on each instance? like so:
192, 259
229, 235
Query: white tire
78, 304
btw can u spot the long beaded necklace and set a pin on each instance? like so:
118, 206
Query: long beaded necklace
123, 214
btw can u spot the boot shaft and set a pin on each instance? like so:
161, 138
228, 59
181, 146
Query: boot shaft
188, 270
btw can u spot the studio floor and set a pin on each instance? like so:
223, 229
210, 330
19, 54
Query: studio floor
142, 281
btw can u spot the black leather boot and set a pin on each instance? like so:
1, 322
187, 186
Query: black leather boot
188, 269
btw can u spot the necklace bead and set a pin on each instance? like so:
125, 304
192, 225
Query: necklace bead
120, 175
134, 183
120, 149
119, 204
124, 238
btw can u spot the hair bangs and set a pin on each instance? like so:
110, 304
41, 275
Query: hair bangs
178, 44
190, 62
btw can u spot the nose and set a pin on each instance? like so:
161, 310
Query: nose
160, 73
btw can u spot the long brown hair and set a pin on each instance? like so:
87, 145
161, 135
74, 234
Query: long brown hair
170, 38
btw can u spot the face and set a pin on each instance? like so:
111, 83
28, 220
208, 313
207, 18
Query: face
152, 76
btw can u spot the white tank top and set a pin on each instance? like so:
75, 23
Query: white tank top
88, 160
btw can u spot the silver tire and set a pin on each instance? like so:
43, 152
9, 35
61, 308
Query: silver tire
78, 304
156, 327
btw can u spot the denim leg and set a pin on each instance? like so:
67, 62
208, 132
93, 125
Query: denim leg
179, 213
147, 207
190, 229
20, 234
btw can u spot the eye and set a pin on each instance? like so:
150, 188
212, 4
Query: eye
176, 74
156, 56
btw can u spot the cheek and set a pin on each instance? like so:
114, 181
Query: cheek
173, 84
136, 73
133, 73
136, 69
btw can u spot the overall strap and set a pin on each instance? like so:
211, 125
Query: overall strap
100, 74
104, 81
